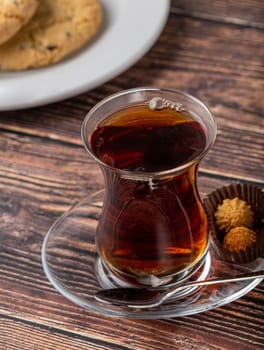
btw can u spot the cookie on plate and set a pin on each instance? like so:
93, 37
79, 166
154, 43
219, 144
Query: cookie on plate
59, 28
14, 14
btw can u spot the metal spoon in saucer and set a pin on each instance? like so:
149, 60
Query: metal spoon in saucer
146, 298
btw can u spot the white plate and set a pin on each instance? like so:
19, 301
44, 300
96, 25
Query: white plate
130, 29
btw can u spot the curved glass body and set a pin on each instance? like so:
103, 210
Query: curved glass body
148, 143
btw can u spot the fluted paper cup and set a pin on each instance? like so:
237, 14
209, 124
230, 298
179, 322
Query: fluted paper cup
254, 196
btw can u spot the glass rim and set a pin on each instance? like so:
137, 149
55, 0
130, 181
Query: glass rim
145, 175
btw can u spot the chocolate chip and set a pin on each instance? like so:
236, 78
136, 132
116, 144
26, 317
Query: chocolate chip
51, 47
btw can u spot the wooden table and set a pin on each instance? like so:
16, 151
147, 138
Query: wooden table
213, 50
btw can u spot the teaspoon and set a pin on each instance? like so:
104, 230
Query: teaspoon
145, 298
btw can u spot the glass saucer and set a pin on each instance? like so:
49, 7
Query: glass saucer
71, 264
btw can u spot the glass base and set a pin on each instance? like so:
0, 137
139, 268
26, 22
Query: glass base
107, 280
72, 265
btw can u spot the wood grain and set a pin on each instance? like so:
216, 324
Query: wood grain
214, 51
247, 13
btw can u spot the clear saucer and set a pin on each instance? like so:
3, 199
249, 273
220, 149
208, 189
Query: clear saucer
71, 264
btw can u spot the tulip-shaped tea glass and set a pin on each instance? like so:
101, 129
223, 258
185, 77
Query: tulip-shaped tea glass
148, 143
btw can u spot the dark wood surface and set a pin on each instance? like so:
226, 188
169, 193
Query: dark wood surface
213, 50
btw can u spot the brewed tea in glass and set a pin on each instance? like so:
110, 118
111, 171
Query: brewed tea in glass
148, 143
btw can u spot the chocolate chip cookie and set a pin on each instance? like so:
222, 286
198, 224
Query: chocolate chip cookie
59, 28
14, 14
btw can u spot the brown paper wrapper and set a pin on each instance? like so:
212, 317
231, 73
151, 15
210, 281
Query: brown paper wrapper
254, 196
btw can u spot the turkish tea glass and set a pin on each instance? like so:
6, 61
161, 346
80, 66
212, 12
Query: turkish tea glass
148, 143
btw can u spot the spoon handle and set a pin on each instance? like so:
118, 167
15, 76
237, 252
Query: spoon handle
240, 277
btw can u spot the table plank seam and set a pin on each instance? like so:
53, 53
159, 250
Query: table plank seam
231, 21
64, 332
235, 178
